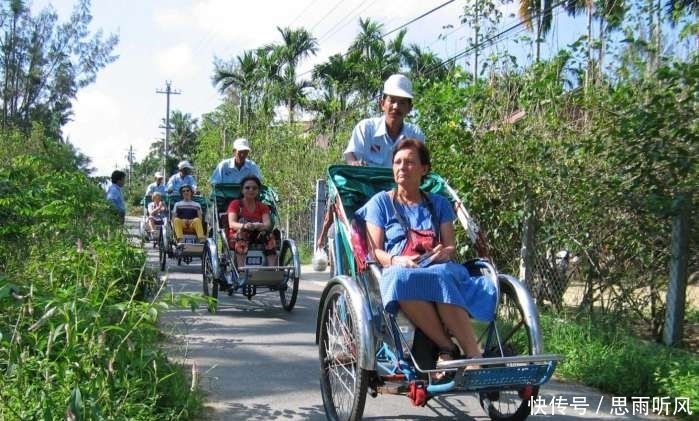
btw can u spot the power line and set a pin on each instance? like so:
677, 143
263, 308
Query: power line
417, 18
336, 28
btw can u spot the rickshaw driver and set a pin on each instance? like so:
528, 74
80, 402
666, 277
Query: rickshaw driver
157, 186
373, 139
233, 170
187, 214
182, 177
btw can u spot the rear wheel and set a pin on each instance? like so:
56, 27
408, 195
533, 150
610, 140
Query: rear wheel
343, 384
513, 404
209, 282
289, 289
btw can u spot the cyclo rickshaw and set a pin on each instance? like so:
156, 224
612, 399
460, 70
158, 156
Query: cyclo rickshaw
190, 247
145, 234
365, 350
220, 270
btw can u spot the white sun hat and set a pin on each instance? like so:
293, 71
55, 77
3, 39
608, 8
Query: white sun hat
241, 144
398, 85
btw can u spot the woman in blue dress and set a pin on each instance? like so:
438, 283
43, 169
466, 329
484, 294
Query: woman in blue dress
405, 226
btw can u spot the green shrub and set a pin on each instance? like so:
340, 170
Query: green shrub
602, 354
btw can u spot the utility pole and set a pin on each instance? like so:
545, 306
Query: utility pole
168, 91
130, 157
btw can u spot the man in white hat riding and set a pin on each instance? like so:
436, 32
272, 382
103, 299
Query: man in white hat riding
373, 139
233, 170
157, 186
182, 177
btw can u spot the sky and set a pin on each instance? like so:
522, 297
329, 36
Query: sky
177, 41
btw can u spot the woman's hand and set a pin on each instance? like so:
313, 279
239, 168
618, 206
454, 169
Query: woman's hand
404, 261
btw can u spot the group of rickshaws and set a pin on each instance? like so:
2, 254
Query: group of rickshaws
364, 350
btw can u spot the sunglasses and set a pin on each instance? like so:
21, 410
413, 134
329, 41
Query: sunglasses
250, 187
186, 190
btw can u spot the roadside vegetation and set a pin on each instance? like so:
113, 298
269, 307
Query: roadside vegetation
593, 150
78, 338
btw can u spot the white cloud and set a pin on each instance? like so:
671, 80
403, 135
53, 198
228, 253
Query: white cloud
177, 60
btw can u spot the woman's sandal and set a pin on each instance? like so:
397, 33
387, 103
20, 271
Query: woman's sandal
445, 354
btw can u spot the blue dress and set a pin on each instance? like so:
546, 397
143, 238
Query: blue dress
447, 282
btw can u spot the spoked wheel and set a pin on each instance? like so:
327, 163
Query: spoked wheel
209, 282
343, 384
514, 404
162, 253
289, 290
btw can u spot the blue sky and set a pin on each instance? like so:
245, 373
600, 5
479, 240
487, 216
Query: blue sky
177, 40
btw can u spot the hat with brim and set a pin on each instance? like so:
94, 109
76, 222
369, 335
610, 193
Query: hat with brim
399, 86
184, 165
241, 144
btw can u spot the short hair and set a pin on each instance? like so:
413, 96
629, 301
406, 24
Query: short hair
250, 178
118, 175
419, 147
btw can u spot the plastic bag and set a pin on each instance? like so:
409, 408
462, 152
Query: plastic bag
320, 260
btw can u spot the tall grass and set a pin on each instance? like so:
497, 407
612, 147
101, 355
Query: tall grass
601, 352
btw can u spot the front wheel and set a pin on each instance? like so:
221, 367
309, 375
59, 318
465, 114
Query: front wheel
343, 384
209, 282
162, 253
516, 339
289, 290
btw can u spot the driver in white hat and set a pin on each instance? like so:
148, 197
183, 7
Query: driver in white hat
182, 177
233, 170
157, 186
373, 139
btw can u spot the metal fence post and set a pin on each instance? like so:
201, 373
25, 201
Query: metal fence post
677, 291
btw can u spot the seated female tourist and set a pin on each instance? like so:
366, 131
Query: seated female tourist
249, 221
187, 215
436, 294
156, 211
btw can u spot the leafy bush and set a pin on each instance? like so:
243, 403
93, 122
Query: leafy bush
602, 354
79, 341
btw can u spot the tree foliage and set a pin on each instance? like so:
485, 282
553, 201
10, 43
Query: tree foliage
45, 63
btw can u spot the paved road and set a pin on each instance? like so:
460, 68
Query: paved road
258, 362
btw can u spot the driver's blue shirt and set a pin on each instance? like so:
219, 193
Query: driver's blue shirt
177, 181
227, 172
371, 143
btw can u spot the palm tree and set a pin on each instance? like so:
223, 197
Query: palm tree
297, 45
425, 64
334, 79
610, 14
536, 16
240, 79
183, 135
373, 60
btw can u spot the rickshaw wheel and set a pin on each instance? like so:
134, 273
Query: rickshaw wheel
513, 404
343, 383
290, 287
209, 283
162, 255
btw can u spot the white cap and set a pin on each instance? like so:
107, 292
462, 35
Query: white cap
158, 174
184, 164
241, 144
398, 85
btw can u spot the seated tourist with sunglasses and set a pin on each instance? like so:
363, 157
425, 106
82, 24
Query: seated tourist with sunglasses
249, 221
187, 215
